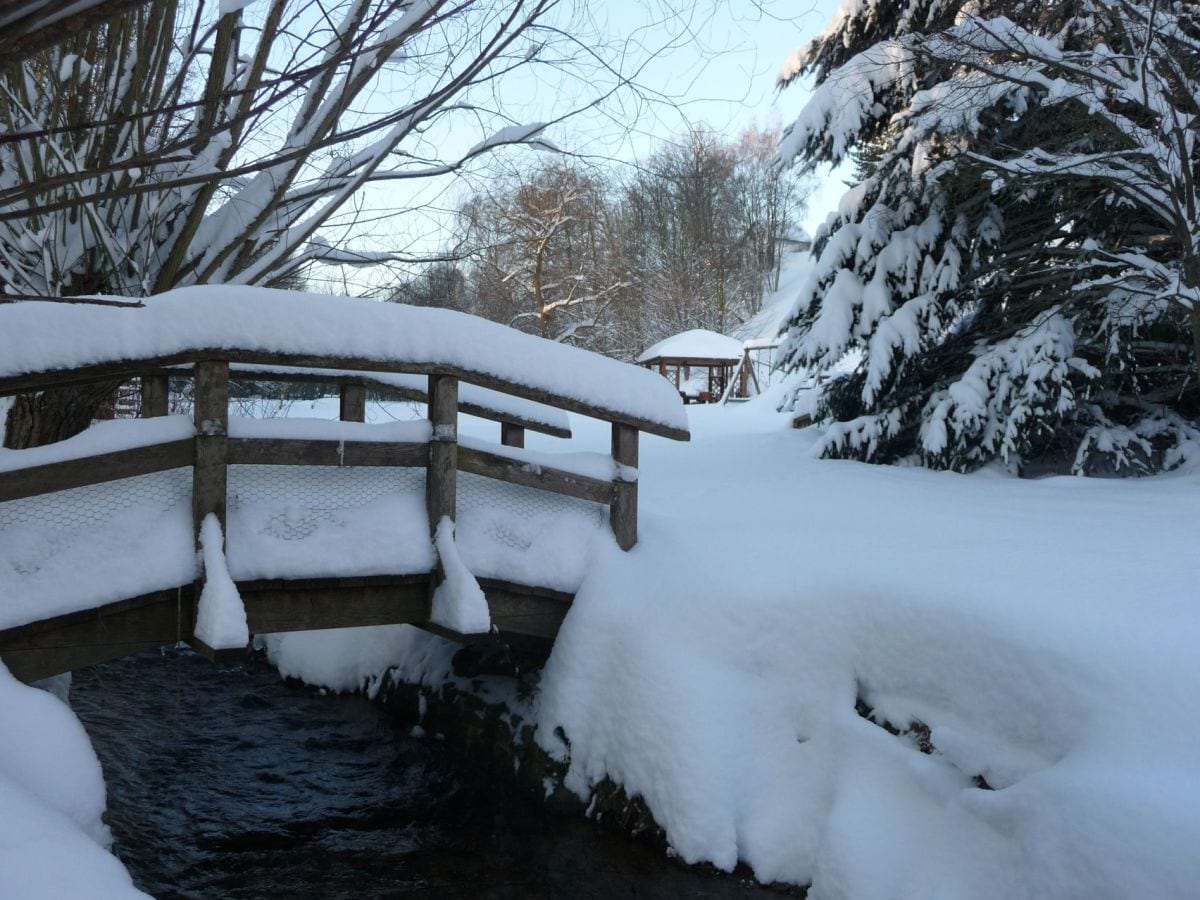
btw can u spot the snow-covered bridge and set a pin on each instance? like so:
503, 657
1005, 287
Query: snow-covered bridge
303, 524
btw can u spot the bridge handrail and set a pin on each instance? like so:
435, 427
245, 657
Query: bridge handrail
130, 368
256, 327
212, 450
476, 401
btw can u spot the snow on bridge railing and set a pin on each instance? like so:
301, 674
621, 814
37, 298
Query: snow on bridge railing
45, 344
473, 400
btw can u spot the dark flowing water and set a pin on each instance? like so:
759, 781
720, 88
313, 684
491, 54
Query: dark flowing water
234, 784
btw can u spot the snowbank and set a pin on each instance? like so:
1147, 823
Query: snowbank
52, 840
737, 667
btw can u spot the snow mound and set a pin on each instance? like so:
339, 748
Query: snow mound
53, 843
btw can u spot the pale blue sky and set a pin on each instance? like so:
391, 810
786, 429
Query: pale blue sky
709, 61
720, 70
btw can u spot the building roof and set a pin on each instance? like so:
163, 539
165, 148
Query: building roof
796, 235
698, 343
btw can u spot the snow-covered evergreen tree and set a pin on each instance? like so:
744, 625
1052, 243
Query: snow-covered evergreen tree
1020, 267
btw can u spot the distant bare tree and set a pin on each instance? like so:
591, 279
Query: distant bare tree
704, 220
543, 254
29, 26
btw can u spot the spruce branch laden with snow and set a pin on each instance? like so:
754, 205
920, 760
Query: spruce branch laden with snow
1019, 263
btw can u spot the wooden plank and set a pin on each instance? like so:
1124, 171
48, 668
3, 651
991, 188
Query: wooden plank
576, 406
697, 361
227, 657
33, 381
512, 435
441, 480
73, 473
335, 603
521, 614
515, 609
451, 635
521, 609
499, 584
27, 635
73, 640
394, 391
210, 476
624, 509
62, 643
156, 392
286, 452
126, 368
492, 465
353, 406
258, 585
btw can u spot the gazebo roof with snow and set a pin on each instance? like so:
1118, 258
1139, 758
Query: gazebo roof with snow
698, 347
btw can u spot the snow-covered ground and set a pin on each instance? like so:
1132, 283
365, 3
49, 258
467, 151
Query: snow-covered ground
52, 840
1045, 631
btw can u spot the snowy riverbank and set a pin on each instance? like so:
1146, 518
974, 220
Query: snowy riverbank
53, 843
1044, 631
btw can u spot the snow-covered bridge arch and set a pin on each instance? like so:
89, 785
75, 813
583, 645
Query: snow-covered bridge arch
301, 524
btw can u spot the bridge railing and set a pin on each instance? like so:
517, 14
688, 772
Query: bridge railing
211, 451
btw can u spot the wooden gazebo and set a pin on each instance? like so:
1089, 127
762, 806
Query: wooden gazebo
698, 361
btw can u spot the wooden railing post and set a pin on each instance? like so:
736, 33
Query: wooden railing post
354, 403
210, 475
512, 435
624, 510
441, 479
155, 395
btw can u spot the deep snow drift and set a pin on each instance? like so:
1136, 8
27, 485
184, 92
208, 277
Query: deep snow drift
1045, 632
52, 841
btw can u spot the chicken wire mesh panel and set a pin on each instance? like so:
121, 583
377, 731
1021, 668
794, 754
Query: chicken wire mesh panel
310, 495
35, 531
479, 493
96, 504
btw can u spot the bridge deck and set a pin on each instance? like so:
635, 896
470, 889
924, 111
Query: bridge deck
310, 547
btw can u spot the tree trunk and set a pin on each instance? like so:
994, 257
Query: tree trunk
1195, 317
54, 415
1191, 277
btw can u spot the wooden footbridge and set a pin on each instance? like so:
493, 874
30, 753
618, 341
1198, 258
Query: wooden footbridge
520, 383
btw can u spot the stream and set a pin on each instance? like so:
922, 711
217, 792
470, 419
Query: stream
232, 783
